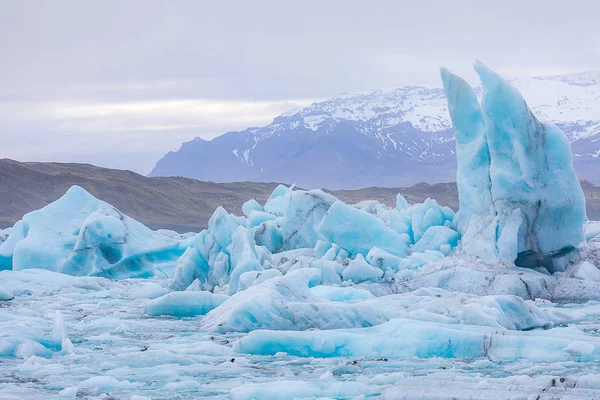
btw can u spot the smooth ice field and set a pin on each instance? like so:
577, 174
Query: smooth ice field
308, 297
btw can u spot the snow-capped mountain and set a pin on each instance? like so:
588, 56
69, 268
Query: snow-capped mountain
391, 137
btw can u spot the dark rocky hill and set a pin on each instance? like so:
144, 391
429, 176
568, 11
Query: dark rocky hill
177, 203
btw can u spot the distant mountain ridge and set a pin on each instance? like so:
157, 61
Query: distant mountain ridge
181, 204
395, 137
176, 203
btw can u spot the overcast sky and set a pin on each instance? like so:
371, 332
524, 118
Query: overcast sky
120, 83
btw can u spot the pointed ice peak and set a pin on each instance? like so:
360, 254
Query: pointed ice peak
474, 188
463, 107
503, 103
488, 77
77, 192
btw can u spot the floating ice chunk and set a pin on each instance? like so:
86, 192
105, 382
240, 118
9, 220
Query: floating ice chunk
357, 231
359, 270
417, 260
215, 265
184, 304
457, 275
402, 338
330, 270
427, 214
258, 217
401, 203
243, 256
71, 392
401, 222
221, 226
148, 290
321, 248
250, 206
587, 271
438, 238
277, 202
252, 278
24, 336
81, 235
341, 294
302, 214
287, 303
580, 348
7, 247
268, 234
101, 229
107, 383
264, 304
529, 207
60, 334
374, 208
25, 349
383, 260
190, 266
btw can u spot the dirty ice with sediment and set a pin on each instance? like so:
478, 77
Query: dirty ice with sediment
306, 296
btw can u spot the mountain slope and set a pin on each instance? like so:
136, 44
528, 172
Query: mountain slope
176, 203
181, 204
387, 138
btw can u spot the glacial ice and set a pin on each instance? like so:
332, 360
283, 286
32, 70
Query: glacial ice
520, 198
310, 297
406, 338
81, 235
184, 304
359, 270
357, 231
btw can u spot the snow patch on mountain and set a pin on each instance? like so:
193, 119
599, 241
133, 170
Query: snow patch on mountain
402, 136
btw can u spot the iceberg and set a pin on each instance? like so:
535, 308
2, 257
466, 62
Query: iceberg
184, 304
298, 301
81, 235
403, 338
357, 231
520, 200
359, 270
334, 233
301, 216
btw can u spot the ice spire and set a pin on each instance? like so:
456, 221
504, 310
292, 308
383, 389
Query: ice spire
473, 156
520, 199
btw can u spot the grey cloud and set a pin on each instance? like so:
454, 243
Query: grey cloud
120, 51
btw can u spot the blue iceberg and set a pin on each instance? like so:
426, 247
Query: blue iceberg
81, 235
520, 200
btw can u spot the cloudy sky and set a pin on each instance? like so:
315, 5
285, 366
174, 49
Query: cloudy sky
120, 83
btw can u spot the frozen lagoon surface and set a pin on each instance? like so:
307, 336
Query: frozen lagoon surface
308, 297
117, 351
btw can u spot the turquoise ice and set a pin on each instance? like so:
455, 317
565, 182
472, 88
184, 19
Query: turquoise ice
520, 200
81, 235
